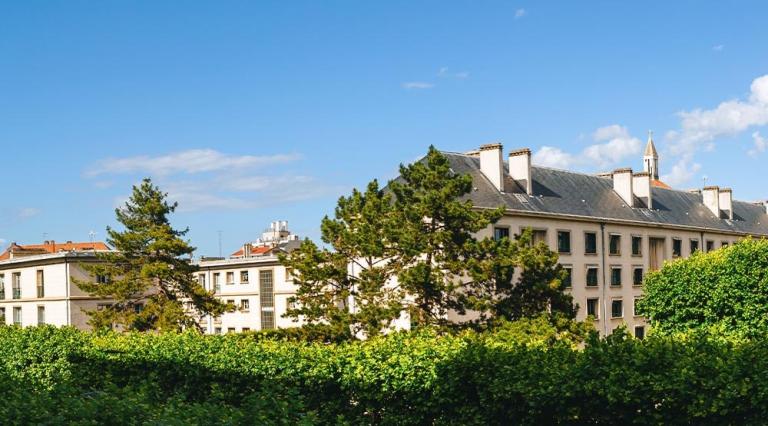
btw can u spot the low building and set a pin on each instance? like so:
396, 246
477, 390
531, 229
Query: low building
609, 229
36, 283
252, 279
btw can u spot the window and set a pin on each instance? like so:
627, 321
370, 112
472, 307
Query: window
567, 282
245, 305
40, 284
563, 241
694, 246
637, 245
637, 275
617, 308
217, 330
591, 276
102, 306
2, 315
243, 277
102, 279
267, 320
677, 247
201, 280
539, 236
640, 332
593, 308
16, 278
217, 282
17, 315
231, 302
614, 245
230, 278
710, 245
634, 307
615, 276
724, 244
2, 286
138, 307
40, 315
500, 232
230, 330
246, 329
590, 243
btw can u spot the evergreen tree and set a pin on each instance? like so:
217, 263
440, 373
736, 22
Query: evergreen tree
149, 275
346, 287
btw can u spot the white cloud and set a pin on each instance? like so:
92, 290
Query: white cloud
519, 13
760, 144
410, 85
614, 145
461, 75
718, 47
699, 127
682, 172
189, 162
27, 212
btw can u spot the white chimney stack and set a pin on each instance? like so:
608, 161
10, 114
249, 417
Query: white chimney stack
710, 195
491, 164
622, 184
641, 187
520, 168
725, 199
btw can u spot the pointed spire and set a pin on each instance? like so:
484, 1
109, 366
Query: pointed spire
650, 148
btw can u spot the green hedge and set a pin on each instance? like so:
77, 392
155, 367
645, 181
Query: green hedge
55, 376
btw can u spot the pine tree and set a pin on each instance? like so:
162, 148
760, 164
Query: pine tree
149, 276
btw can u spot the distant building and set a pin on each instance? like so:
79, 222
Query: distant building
610, 229
36, 284
252, 279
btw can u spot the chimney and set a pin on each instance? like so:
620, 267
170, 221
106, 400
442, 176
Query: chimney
641, 187
765, 206
622, 184
491, 164
247, 247
725, 199
710, 196
520, 168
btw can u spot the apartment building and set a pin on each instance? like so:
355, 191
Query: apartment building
252, 279
36, 283
609, 229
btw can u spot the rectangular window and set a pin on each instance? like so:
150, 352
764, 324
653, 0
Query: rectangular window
563, 241
217, 330
17, 315
243, 277
637, 275
724, 244
634, 307
637, 246
16, 283
40, 284
2, 315
616, 276
539, 236
217, 282
617, 308
230, 330
2, 286
245, 305
640, 332
230, 278
267, 320
677, 247
500, 232
231, 302
593, 308
614, 245
710, 245
201, 280
567, 281
246, 329
591, 276
102, 279
40, 315
590, 243
694, 246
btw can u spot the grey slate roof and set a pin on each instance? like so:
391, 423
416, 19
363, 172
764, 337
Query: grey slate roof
563, 192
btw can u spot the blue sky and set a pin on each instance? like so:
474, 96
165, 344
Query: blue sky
248, 112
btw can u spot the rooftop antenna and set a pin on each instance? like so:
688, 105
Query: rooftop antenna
92, 235
704, 179
219, 243
45, 236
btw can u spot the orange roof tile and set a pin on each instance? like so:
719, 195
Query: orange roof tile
660, 184
51, 247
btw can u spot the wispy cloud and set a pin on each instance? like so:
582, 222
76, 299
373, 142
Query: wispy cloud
759, 144
189, 162
417, 85
718, 47
614, 144
445, 72
519, 13
27, 212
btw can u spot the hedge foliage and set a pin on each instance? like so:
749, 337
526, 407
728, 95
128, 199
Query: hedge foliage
54, 376
722, 292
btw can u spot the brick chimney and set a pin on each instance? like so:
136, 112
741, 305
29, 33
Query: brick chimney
520, 168
491, 164
725, 199
622, 184
710, 196
641, 187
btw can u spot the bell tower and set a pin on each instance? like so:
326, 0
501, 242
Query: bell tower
651, 158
